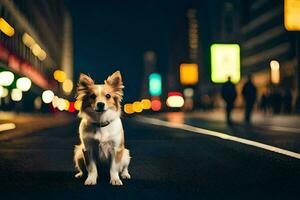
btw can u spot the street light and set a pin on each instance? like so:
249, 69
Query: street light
175, 100
275, 71
292, 15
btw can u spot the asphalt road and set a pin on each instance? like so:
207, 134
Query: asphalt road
166, 164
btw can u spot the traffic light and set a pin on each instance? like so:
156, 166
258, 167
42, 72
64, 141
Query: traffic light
155, 86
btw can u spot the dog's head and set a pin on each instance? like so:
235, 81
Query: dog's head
100, 99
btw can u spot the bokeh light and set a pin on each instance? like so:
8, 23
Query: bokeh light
24, 84
137, 107
6, 78
16, 94
47, 96
67, 86
78, 104
128, 109
60, 76
146, 103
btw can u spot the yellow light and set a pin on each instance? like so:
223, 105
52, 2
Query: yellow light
274, 64
47, 96
16, 94
36, 49
225, 62
78, 104
146, 103
275, 72
24, 84
28, 40
137, 107
189, 74
6, 28
67, 86
42, 55
292, 15
67, 105
128, 109
6, 78
60, 76
175, 101
4, 92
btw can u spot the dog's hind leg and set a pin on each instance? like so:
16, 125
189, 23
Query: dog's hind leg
78, 157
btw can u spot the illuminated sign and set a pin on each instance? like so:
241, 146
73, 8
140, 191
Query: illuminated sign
292, 15
189, 74
225, 62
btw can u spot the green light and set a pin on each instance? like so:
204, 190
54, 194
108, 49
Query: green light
225, 62
155, 84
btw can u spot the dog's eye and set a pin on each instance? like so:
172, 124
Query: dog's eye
107, 96
93, 96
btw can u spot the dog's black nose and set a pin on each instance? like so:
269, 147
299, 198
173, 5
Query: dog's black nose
100, 106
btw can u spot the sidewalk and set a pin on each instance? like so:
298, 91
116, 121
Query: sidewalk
288, 122
13, 125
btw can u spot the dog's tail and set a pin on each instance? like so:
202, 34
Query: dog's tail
78, 156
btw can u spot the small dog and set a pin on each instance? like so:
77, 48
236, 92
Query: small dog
100, 131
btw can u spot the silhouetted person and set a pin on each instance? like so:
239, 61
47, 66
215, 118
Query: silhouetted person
229, 95
287, 101
276, 102
265, 102
249, 94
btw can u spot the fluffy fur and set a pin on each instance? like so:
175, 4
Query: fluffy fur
100, 131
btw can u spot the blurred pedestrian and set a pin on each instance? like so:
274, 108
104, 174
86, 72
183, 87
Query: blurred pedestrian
265, 102
249, 94
276, 101
229, 95
287, 101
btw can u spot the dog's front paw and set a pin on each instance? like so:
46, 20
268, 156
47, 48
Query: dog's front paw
116, 182
78, 175
91, 180
125, 175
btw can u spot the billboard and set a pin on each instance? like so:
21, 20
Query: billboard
225, 62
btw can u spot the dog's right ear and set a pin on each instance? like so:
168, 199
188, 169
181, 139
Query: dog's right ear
84, 83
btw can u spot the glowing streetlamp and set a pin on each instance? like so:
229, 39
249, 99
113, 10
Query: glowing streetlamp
275, 71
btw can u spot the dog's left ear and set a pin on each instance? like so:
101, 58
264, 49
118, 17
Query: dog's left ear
115, 81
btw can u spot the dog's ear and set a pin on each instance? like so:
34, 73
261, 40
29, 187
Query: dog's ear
84, 83
115, 81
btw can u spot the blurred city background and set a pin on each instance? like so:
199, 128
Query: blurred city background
185, 62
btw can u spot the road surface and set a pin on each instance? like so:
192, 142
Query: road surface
167, 163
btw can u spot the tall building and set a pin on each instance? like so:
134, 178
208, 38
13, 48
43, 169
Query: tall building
264, 39
39, 42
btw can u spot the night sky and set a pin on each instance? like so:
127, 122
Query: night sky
113, 35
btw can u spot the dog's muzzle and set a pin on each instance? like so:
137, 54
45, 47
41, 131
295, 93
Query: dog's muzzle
100, 107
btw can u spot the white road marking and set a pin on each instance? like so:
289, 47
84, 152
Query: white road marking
223, 136
7, 126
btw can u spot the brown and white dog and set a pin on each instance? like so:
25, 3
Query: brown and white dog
100, 131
